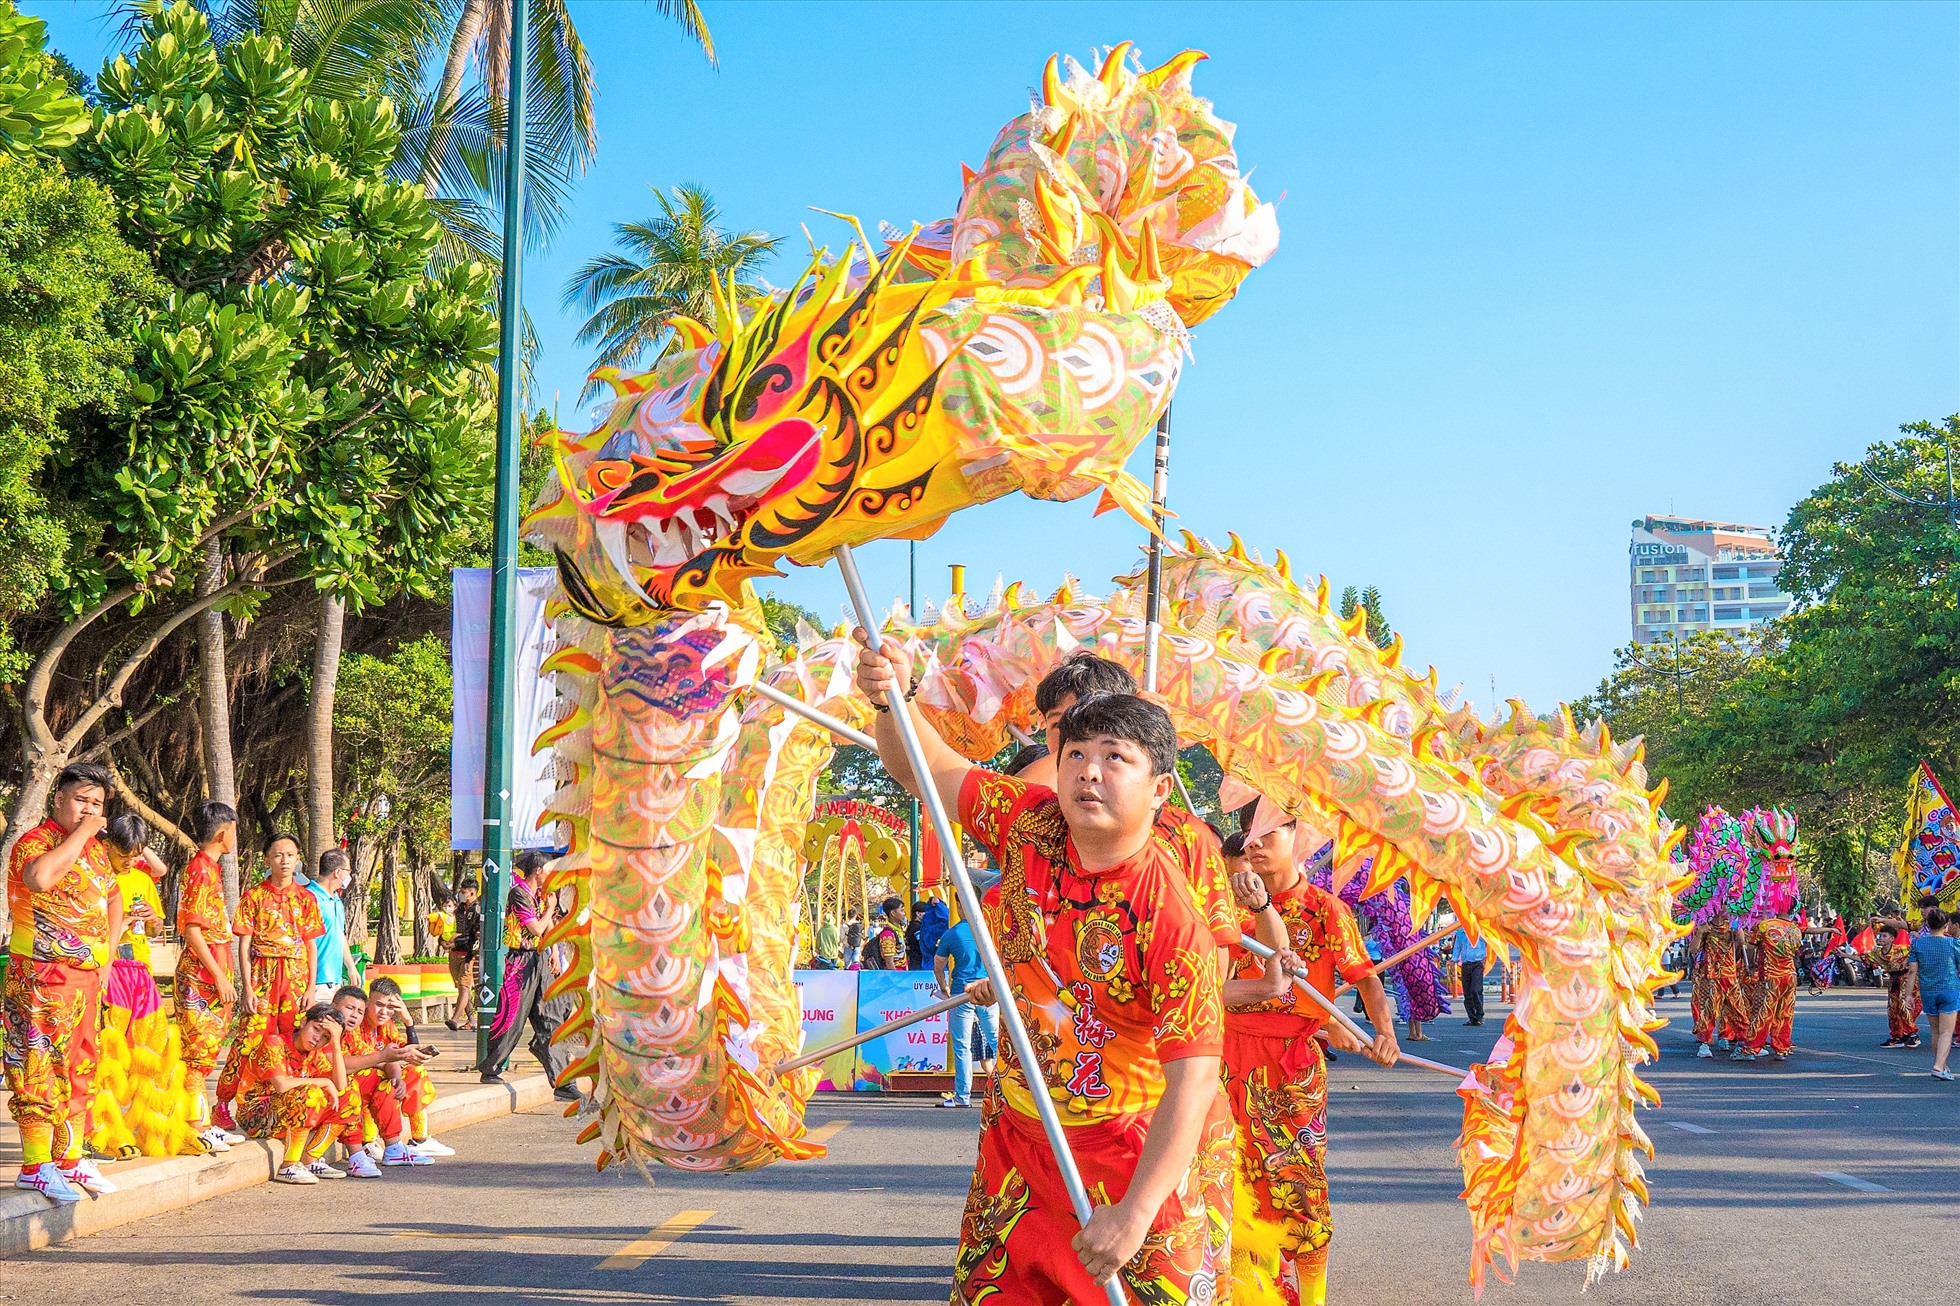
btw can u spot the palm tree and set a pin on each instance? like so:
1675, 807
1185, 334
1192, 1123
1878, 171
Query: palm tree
420, 53
666, 267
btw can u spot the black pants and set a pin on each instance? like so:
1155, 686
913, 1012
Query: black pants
1473, 991
521, 1000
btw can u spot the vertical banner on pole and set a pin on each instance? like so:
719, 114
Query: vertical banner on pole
531, 780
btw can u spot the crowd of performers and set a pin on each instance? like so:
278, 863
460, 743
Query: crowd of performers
303, 1065
1190, 1076
1744, 992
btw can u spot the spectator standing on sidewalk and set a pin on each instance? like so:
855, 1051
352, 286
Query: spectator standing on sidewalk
956, 964
462, 955
1469, 958
333, 959
1935, 967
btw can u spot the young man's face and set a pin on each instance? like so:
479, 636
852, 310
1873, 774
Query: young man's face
352, 1010
388, 1009
77, 802
1274, 853
226, 838
313, 1034
335, 882
1107, 786
282, 859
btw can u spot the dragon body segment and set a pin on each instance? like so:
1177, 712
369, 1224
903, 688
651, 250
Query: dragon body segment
1542, 837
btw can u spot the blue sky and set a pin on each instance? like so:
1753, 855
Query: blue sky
1543, 269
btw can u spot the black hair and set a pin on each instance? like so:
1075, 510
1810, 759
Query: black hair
85, 773
1233, 844
440, 893
530, 862
384, 986
1083, 676
1127, 717
891, 904
469, 883
283, 837
334, 860
351, 991
1935, 919
319, 1011
126, 833
1025, 758
210, 817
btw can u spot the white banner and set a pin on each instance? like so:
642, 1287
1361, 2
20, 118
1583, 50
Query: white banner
533, 776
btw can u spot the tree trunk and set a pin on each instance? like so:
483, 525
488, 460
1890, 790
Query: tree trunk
319, 728
388, 930
364, 852
30, 803
214, 703
421, 875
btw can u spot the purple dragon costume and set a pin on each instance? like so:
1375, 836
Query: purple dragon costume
1417, 980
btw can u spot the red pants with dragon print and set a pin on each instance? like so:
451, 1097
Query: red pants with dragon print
1014, 1238
1282, 1222
52, 1011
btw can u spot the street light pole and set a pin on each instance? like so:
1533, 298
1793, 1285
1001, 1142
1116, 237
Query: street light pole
502, 722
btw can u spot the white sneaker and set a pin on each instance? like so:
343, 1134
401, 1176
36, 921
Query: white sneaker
49, 1182
1703, 1050
215, 1139
374, 1147
325, 1169
361, 1166
90, 1179
295, 1174
430, 1147
401, 1154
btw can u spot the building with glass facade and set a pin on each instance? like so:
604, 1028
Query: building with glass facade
1686, 575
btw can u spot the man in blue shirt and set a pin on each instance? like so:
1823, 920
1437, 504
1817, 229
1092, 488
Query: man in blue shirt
333, 959
958, 955
1469, 958
1936, 966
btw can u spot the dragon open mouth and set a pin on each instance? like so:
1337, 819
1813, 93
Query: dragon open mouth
656, 512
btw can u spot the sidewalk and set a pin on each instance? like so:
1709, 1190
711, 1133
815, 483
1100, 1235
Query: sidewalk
156, 1184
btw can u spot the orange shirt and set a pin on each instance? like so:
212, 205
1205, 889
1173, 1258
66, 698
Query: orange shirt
275, 1053
70, 921
1778, 942
1323, 932
280, 923
201, 901
1113, 970
1203, 864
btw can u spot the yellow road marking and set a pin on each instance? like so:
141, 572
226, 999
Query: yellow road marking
824, 1133
658, 1240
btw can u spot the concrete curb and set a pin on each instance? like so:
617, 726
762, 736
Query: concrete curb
151, 1186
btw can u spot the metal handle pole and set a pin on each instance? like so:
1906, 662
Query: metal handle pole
1341, 1018
878, 1031
820, 717
1153, 627
949, 850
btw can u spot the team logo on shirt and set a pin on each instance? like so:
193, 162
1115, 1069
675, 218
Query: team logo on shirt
1098, 947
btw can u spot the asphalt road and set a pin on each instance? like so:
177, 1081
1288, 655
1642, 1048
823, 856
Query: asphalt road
1741, 1214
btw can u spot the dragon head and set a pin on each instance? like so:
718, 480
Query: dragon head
882, 392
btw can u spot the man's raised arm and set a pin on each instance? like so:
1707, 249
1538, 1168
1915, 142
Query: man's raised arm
888, 666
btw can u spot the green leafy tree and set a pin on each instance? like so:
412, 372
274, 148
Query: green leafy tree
392, 720
309, 403
70, 291
665, 267
1370, 602
39, 110
1829, 710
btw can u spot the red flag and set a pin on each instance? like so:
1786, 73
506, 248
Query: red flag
1867, 939
1836, 940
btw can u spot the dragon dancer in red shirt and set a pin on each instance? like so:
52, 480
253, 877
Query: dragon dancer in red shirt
1276, 1074
1113, 972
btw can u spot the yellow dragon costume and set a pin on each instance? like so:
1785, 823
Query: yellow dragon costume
1028, 343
